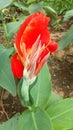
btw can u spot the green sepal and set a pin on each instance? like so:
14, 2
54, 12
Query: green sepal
23, 102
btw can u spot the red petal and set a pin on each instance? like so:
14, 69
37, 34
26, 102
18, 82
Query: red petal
20, 33
44, 55
45, 37
23, 27
53, 46
16, 66
35, 27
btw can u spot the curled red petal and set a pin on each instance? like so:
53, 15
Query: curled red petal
53, 46
23, 27
35, 27
20, 33
16, 66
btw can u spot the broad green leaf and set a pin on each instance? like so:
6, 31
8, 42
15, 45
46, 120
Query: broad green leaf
54, 98
6, 77
21, 5
42, 88
58, 127
35, 7
5, 3
67, 39
68, 15
2, 48
11, 29
11, 124
61, 114
35, 119
8, 51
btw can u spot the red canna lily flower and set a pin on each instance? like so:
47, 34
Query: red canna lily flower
33, 45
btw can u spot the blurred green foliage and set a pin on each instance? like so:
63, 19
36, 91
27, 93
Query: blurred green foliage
61, 6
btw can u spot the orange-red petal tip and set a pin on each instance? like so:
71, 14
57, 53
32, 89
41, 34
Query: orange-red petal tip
53, 46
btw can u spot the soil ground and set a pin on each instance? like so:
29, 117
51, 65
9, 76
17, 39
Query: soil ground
61, 69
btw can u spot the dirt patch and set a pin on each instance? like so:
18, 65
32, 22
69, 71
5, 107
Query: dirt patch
61, 69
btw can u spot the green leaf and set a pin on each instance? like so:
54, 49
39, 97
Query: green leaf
67, 39
34, 120
1, 28
10, 124
68, 15
61, 114
50, 12
5, 3
35, 7
6, 77
30, 1
8, 51
11, 29
42, 88
21, 5
58, 127
54, 98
